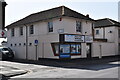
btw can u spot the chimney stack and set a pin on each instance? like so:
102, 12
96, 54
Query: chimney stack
87, 15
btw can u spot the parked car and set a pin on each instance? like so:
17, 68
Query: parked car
6, 53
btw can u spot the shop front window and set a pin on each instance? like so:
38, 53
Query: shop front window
73, 48
56, 48
78, 48
70, 48
64, 48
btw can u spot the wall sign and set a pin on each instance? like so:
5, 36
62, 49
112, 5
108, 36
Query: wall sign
74, 38
88, 39
3, 34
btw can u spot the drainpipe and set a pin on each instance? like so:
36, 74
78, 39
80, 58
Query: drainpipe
93, 31
100, 56
26, 41
43, 50
103, 33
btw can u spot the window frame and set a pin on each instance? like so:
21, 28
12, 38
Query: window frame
97, 32
78, 26
50, 26
12, 32
21, 31
75, 54
31, 29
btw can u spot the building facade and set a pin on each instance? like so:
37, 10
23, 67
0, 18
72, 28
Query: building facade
110, 30
54, 33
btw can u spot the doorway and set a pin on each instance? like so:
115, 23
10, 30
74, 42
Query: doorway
88, 50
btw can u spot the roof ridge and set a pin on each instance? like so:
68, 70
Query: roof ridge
110, 21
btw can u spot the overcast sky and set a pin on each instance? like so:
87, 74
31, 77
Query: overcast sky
97, 9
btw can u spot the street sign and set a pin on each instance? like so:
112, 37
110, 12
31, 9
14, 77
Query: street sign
3, 34
36, 42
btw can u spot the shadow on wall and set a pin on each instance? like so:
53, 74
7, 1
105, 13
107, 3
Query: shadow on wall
87, 64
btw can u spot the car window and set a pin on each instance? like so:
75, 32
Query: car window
5, 49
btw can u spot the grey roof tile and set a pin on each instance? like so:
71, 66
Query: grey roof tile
49, 14
106, 22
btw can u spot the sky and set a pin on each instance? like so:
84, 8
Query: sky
97, 9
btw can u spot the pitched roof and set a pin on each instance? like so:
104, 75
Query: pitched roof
106, 22
49, 14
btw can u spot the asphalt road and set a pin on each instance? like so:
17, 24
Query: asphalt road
78, 68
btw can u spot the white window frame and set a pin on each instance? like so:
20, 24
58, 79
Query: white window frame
21, 31
78, 26
50, 26
12, 32
31, 29
97, 32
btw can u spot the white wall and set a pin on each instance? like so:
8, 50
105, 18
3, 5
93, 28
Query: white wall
111, 37
44, 49
100, 35
107, 49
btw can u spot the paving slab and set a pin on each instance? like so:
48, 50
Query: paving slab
10, 71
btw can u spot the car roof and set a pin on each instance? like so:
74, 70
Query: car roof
3, 47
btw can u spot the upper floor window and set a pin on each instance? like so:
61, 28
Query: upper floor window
12, 32
78, 26
21, 31
50, 26
97, 32
31, 29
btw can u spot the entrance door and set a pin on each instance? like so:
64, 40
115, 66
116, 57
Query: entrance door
88, 50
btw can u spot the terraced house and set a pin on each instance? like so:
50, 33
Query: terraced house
55, 33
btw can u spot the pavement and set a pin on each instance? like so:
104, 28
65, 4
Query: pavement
26, 66
9, 70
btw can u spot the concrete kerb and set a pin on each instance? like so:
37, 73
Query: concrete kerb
15, 73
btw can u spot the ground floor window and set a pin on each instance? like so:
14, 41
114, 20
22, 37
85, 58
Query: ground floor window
75, 48
66, 48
